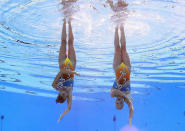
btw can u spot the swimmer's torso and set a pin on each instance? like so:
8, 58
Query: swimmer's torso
66, 79
67, 66
122, 78
122, 74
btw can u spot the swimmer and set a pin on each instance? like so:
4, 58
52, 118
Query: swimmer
122, 69
64, 80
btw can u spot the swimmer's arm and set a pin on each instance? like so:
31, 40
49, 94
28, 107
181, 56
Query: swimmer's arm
69, 104
125, 93
112, 92
130, 105
54, 84
116, 92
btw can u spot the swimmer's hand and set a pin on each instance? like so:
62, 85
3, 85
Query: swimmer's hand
62, 115
76, 73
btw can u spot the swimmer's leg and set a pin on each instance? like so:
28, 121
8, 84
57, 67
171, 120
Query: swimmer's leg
125, 56
117, 51
71, 50
62, 53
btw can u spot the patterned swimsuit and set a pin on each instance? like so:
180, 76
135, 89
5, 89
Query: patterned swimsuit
122, 77
67, 79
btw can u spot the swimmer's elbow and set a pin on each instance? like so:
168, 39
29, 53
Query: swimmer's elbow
112, 94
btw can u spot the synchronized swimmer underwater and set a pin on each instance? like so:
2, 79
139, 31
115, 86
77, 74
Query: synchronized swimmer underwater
64, 80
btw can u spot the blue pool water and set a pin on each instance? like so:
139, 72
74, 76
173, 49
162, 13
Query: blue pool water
30, 34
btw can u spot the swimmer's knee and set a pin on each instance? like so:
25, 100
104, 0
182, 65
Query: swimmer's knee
71, 39
64, 41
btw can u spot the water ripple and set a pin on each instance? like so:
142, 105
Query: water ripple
30, 34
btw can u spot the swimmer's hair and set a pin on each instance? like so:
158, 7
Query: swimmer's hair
119, 107
60, 99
